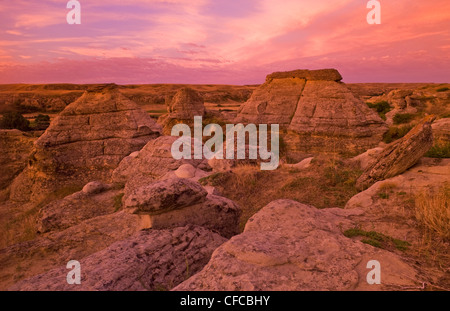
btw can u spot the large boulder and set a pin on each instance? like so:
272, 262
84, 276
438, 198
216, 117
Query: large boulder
164, 196
75, 208
292, 246
320, 113
85, 142
400, 155
148, 260
15, 148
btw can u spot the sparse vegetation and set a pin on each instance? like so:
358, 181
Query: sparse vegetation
41, 122
386, 189
432, 208
247, 185
381, 108
441, 149
402, 118
377, 239
395, 133
14, 120
118, 201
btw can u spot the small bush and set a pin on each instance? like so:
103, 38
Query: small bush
441, 149
442, 89
14, 120
41, 122
382, 108
402, 118
432, 209
377, 239
395, 133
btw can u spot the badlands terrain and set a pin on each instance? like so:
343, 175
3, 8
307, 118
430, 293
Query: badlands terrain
364, 175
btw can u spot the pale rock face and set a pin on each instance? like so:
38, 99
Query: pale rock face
291, 246
364, 159
148, 260
400, 155
95, 187
185, 171
85, 142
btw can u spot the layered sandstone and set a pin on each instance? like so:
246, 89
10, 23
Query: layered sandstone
85, 142
319, 112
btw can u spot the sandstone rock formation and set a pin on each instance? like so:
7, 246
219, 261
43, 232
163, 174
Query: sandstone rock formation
178, 202
15, 148
85, 142
75, 208
316, 109
291, 246
151, 163
184, 105
399, 155
148, 260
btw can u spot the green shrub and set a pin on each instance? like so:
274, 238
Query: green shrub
442, 89
14, 120
401, 118
382, 108
440, 149
41, 122
377, 239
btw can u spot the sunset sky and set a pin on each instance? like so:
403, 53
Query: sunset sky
222, 41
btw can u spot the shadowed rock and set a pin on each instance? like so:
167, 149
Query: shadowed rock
148, 260
399, 155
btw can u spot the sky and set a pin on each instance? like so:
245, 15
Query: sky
222, 41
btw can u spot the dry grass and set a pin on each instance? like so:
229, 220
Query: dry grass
21, 224
328, 182
432, 209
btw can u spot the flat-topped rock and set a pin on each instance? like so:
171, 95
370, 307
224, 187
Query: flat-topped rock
321, 74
